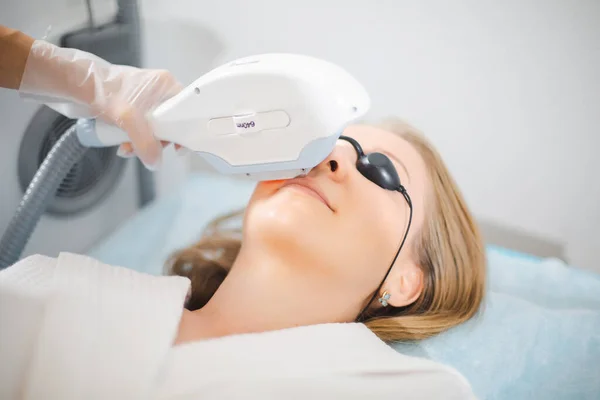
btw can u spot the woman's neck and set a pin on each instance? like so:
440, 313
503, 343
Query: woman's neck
260, 293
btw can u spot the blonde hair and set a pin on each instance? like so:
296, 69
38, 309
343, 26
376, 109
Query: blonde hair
448, 248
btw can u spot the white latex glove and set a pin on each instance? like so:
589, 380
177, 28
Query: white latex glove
81, 85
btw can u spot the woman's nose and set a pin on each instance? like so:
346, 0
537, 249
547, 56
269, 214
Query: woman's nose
337, 164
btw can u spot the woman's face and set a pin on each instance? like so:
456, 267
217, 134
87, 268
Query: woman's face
336, 231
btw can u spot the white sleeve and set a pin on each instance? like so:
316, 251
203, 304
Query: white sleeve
24, 288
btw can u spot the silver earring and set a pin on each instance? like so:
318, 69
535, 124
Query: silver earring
384, 299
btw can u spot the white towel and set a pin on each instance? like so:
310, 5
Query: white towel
74, 328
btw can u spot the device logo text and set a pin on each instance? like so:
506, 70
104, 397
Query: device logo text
246, 125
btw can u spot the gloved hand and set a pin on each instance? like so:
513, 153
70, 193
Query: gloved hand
81, 85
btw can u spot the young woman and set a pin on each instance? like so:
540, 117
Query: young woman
293, 305
316, 249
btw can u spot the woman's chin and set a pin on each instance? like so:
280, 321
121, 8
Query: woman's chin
286, 220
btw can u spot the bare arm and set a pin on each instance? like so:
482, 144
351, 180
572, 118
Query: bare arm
14, 50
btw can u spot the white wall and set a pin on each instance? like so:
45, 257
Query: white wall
508, 91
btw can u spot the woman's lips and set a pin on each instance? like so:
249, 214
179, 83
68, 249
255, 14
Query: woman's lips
309, 189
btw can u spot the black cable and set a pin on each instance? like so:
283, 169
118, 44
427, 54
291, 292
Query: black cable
408, 200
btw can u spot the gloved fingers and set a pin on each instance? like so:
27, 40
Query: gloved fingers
146, 89
172, 85
143, 91
126, 150
145, 146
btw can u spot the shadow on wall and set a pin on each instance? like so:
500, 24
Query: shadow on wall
187, 50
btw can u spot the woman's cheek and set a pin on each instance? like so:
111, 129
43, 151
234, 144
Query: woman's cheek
375, 226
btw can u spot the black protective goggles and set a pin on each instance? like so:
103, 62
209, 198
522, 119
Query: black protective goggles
380, 170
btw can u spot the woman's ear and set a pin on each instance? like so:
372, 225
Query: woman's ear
404, 285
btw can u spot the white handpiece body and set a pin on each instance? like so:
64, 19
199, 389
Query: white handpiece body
271, 116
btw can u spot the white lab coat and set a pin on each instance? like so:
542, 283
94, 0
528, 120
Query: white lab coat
74, 328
